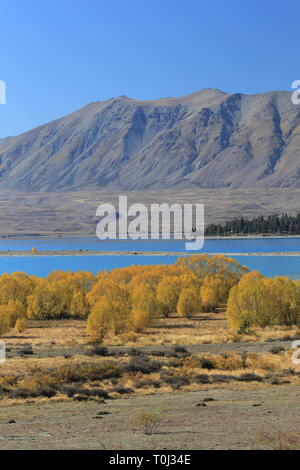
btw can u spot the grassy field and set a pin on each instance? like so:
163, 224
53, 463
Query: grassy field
53, 370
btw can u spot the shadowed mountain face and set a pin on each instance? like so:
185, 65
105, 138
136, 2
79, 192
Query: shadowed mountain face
209, 139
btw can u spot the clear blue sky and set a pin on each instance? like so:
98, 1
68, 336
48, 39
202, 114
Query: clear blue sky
57, 56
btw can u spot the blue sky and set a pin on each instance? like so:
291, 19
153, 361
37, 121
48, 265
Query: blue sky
57, 56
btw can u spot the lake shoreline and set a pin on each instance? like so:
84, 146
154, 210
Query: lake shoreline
139, 253
40, 237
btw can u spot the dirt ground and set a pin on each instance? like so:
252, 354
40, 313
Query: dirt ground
231, 421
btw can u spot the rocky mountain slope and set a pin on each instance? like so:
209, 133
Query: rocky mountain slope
209, 139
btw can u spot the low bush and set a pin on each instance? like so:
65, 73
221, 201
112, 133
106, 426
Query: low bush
277, 350
201, 379
228, 361
250, 377
175, 381
122, 390
26, 351
142, 364
97, 351
148, 422
147, 382
180, 349
220, 378
71, 390
206, 363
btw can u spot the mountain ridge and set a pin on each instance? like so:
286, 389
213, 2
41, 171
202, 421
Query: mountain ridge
207, 139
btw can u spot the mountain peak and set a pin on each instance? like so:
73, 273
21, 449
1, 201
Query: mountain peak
207, 139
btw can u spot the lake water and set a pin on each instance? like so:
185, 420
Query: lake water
41, 266
210, 246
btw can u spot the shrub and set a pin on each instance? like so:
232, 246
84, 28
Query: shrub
228, 361
201, 379
277, 350
220, 378
175, 381
26, 351
71, 390
191, 362
122, 390
279, 440
250, 377
47, 392
206, 363
180, 349
86, 371
149, 422
22, 393
135, 352
97, 350
147, 382
244, 327
143, 365
99, 392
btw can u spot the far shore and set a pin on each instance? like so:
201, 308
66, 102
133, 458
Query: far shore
138, 253
56, 237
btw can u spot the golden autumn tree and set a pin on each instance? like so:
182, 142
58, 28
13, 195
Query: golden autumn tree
139, 320
107, 316
168, 291
50, 299
208, 298
143, 298
110, 289
79, 306
220, 267
145, 306
188, 302
4, 324
212, 293
110, 305
15, 287
250, 302
285, 295
21, 324
9, 314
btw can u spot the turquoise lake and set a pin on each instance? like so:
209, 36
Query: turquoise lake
210, 246
41, 266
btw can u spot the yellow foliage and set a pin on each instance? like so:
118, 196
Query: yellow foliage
259, 301
107, 315
188, 302
21, 325
139, 319
9, 313
208, 297
168, 291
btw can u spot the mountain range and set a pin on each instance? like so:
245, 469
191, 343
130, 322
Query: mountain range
207, 140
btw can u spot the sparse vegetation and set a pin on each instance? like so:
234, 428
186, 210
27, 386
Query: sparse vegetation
149, 422
279, 440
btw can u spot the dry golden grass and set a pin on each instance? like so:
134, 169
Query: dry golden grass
49, 333
68, 339
203, 328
